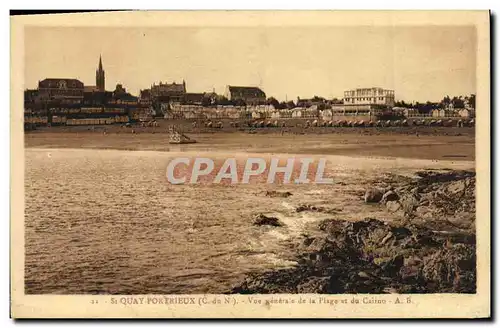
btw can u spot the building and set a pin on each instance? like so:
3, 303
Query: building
250, 95
193, 98
467, 112
119, 90
168, 92
412, 112
68, 101
32, 101
369, 96
30, 96
445, 113
469, 102
57, 88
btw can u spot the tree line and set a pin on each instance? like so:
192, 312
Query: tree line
456, 102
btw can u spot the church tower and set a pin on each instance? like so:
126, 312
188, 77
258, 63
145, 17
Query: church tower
99, 77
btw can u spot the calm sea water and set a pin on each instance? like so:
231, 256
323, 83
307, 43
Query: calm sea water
108, 222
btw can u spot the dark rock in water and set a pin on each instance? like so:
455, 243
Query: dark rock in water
283, 194
373, 195
262, 219
389, 197
302, 208
312, 208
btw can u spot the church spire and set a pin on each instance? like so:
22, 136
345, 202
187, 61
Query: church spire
99, 77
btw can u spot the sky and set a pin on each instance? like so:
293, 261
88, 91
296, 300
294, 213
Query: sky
420, 63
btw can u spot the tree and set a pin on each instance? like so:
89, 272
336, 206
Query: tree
318, 99
472, 101
402, 103
457, 102
221, 100
427, 108
445, 102
206, 102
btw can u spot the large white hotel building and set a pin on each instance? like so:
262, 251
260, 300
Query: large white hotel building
369, 96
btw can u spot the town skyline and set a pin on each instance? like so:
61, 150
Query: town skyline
446, 53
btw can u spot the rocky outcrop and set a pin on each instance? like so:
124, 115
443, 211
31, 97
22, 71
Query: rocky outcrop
313, 208
283, 194
262, 219
440, 198
371, 256
389, 196
373, 195
432, 251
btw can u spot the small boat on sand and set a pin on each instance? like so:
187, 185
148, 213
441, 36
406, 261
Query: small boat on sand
179, 138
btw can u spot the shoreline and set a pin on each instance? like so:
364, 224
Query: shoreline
455, 148
408, 163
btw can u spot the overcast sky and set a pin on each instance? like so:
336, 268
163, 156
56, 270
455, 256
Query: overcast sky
419, 63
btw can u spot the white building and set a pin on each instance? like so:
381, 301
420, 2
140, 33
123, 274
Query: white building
326, 114
368, 96
297, 112
465, 113
411, 112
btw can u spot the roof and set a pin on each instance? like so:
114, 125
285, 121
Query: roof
167, 87
30, 91
254, 91
194, 97
125, 96
146, 93
54, 83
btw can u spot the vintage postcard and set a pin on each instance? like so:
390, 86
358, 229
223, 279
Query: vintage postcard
225, 164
